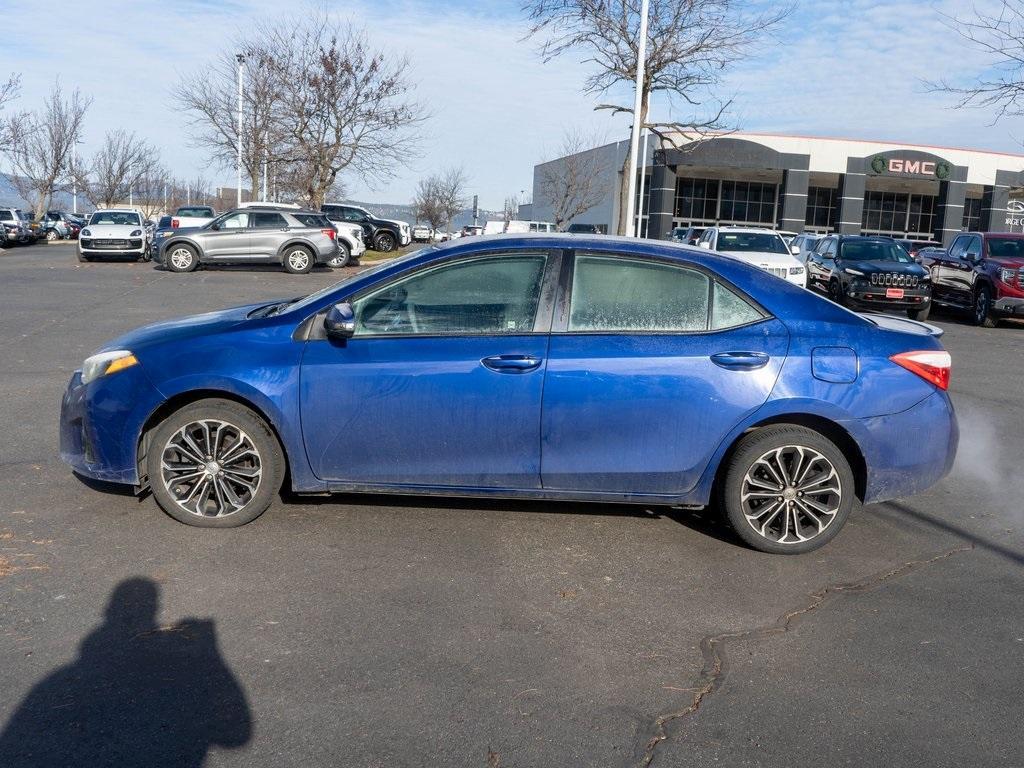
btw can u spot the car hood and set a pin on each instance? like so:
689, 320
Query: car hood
113, 230
1010, 262
888, 267
396, 222
182, 328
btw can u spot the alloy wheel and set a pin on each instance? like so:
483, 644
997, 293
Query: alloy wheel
181, 258
298, 259
791, 494
981, 306
211, 468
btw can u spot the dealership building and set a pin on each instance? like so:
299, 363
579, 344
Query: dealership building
802, 183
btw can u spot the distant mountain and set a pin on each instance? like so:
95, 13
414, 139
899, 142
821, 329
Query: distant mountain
9, 197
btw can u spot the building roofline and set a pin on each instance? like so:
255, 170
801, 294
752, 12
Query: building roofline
780, 135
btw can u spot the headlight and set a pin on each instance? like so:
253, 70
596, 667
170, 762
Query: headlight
86, 233
135, 233
796, 270
1007, 275
107, 362
852, 271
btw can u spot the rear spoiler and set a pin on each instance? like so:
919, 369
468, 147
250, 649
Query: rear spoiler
902, 324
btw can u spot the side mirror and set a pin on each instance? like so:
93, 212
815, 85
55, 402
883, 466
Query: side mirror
795, 250
705, 245
214, 226
340, 322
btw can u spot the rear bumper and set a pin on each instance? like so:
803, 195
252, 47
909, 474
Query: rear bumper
908, 452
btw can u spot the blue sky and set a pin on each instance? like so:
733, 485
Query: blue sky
848, 68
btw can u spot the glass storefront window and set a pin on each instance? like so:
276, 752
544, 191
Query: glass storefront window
697, 200
972, 214
821, 207
899, 214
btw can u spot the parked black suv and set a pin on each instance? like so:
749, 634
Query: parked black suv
869, 272
379, 234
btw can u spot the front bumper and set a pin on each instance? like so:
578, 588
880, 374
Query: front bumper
1009, 305
404, 237
867, 295
100, 424
132, 247
910, 451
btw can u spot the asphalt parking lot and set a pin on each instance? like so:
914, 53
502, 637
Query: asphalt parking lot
363, 631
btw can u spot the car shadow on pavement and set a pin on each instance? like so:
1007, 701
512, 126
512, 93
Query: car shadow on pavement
112, 489
139, 694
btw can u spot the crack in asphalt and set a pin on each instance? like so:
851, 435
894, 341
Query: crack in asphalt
712, 647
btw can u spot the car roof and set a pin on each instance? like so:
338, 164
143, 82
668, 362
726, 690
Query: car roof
731, 228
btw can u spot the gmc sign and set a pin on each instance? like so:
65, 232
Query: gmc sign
918, 167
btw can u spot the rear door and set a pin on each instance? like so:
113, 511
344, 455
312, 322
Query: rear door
268, 230
650, 365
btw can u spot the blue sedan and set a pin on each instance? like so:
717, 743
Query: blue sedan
541, 367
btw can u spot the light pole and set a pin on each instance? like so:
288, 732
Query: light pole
634, 136
643, 177
238, 163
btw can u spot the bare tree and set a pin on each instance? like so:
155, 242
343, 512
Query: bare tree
117, 169
576, 183
1000, 34
426, 203
210, 97
40, 154
511, 209
13, 125
690, 45
451, 194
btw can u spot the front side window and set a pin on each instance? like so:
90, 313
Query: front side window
485, 296
616, 294
238, 220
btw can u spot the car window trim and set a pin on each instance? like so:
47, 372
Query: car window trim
312, 328
560, 325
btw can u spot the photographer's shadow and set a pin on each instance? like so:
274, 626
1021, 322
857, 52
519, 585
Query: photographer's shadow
137, 695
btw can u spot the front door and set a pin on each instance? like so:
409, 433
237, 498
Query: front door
230, 239
656, 363
441, 383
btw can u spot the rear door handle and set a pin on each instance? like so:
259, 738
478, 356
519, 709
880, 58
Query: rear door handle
743, 361
511, 363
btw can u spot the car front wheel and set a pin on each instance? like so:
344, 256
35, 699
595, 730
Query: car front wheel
214, 464
983, 308
181, 258
919, 314
385, 242
787, 489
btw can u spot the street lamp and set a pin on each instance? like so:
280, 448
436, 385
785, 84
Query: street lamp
634, 137
238, 163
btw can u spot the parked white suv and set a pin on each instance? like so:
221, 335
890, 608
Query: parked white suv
762, 248
114, 232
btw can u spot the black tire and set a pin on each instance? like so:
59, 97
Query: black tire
920, 314
181, 257
297, 259
385, 242
236, 420
343, 259
982, 314
354, 262
746, 473
835, 292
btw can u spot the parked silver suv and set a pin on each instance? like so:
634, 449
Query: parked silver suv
295, 239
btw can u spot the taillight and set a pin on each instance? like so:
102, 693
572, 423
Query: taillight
932, 365
175, 223
331, 233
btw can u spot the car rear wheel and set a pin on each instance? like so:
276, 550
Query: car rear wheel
983, 308
214, 464
298, 260
919, 314
51, 235
385, 241
181, 258
787, 489
343, 257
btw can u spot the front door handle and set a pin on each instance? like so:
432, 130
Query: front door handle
511, 363
743, 361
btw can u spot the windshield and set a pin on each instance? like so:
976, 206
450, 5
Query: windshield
765, 242
1006, 248
315, 297
874, 250
123, 218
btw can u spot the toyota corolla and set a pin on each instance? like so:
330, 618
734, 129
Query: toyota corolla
541, 367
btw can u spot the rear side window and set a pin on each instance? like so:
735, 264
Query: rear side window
614, 294
312, 220
729, 309
6, 216
265, 220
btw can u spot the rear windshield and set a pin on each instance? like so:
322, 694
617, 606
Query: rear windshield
1006, 248
198, 212
765, 242
873, 250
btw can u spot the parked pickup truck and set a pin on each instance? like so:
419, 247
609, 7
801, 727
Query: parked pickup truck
192, 216
982, 273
